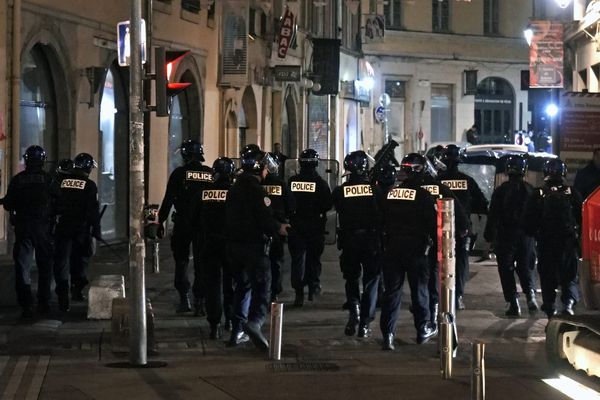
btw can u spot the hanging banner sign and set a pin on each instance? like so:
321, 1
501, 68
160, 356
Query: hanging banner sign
286, 33
546, 55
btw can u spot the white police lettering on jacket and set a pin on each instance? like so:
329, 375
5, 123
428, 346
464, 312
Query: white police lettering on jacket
214, 195
273, 190
198, 176
73, 184
358, 191
310, 187
433, 189
402, 194
456, 184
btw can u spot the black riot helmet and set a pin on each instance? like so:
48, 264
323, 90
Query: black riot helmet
451, 156
34, 156
84, 162
356, 163
386, 175
64, 166
516, 165
249, 147
414, 165
223, 167
191, 150
554, 169
436, 156
309, 159
254, 161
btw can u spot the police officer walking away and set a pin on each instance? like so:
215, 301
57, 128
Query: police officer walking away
472, 200
78, 223
514, 248
185, 184
249, 224
312, 197
209, 217
356, 202
409, 224
31, 198
553, 217
283, 205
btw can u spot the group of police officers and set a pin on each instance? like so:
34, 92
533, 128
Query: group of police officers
57, 218
237, 221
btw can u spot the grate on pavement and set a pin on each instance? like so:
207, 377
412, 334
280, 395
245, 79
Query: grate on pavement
302, 366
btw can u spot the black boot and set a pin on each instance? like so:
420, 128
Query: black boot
532, 304
184, 303
514, 310
568, 310
199, 310
253, 331
215, 332
353, 320
426, 333
228, 325
388, 342
299, 299
433, 314
237, 337
363, 330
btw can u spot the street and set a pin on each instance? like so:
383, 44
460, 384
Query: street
71, 358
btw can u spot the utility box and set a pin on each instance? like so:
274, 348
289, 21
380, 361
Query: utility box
120, 326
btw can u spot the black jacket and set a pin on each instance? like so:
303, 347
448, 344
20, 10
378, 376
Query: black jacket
312, 198
31, 196
78, 205
209, 210
587, 180
506, 209
466, 191
248, 212
282, 201
357, 204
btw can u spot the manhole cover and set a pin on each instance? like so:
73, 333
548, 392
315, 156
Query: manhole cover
303, 366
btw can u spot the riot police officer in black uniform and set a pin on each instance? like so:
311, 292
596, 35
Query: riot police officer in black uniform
438, 190
514, 248
553, 216
64, 169
250, 224
312, 197
209, 216
282, 204
78, 223
185, 184
409, 224
31, 198
356, 202
472, 200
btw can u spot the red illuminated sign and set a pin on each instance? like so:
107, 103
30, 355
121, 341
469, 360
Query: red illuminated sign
286, 33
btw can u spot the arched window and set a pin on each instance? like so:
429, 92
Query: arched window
38, 104
494, 110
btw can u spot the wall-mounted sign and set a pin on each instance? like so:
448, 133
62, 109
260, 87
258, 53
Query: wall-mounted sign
286, 33
355, 90
546, 55
287, 73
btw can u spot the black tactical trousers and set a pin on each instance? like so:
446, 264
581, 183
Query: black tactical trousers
462, 264
557, 265
30, 236
305, 251
183, 236
515, 253
251, 271
400, 262
218, 281
433, 284
71, 258
276, 256
360, 253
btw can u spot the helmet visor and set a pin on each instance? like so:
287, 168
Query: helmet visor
271, 164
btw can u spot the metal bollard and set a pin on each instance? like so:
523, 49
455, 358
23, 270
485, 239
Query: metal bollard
276, 331
156, 258
447, 261
478, 372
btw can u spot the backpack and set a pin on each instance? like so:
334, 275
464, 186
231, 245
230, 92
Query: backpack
558, 218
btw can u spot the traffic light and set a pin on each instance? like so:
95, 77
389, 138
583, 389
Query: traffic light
165, 90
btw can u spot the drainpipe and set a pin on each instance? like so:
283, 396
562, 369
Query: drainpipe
15, 87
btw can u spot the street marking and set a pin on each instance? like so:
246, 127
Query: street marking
15, 378
38, 378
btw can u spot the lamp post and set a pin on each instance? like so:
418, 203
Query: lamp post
384, 101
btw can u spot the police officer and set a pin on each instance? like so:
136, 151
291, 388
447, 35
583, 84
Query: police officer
553, 216
31, 198
472, 200
249, 224
385, 178
209, 216
64, 169
356, 202
409, 224
78, 223
514, 248
312, 197
185, 184
282, 204
438, 190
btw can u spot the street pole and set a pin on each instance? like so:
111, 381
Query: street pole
447, 261
137, 298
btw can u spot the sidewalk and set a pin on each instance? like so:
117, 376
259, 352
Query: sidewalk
70, 357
